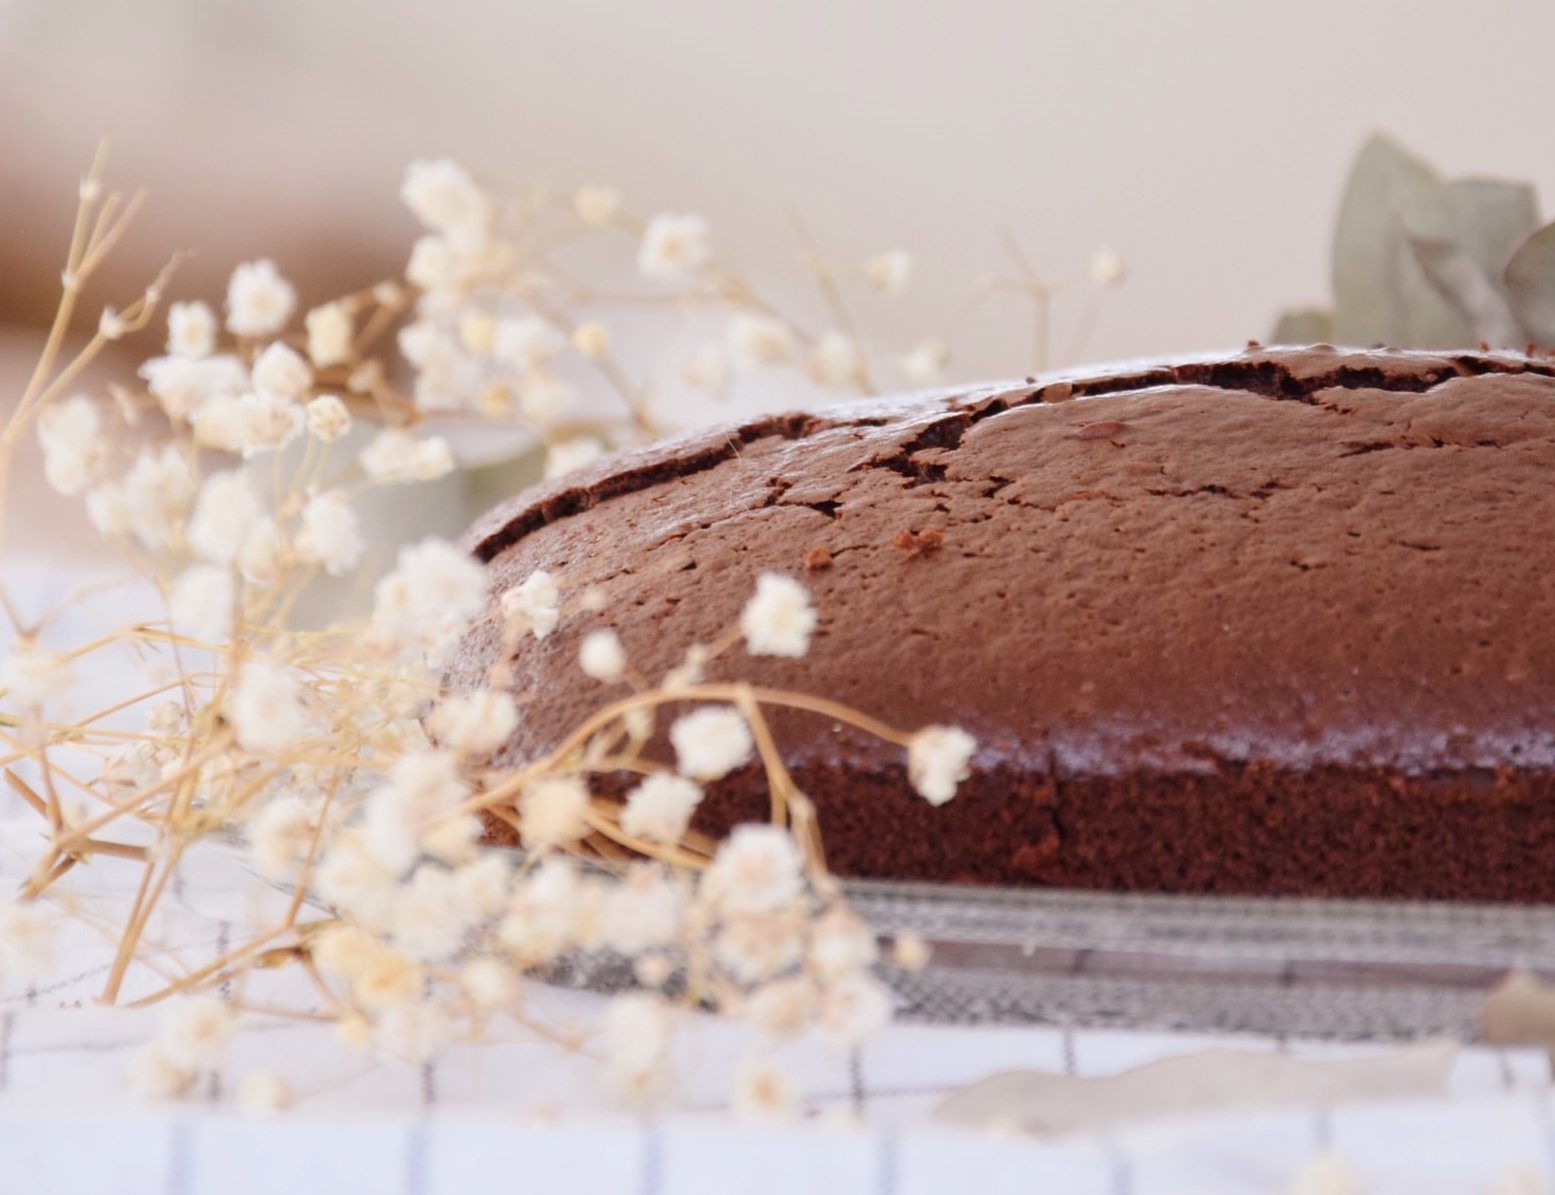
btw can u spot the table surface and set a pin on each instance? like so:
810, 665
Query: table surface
517, 1109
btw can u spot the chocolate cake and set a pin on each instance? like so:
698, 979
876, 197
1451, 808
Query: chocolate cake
1278, 622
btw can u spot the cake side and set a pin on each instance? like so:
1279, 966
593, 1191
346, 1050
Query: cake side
1278, 621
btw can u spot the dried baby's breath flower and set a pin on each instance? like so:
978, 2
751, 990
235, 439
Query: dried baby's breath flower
342, 949
638, 722
674, 247
221, 423
1108, 267
330, 329
836, 361
153, 1077
552, 810
567, 455
643, 911
708, 368
417, 342
754, 341
314, 739
478, 332
279, 835
889, 272
753, 947
282, 371
423, 787
259, 559
910, 952
444, 583
263, 1093
660, 808
757, 869
601, 656
447, 200
592, 339
489, 983
167, 718
157, 488
764, 1093
841, 946
542, 917
482, 885
784, 1007
532, 606
28, 938
925, 365
223, 514
937, 761
353, 880
266, 709
331, 534
74, 451
430, 263
259, 300
778, 619
481, 721
545, 400
452, 839
108, 510
200, 601
653, 970
430, 916
270, 422
596, 206
328, 418
191, 330
711, 742
855, 1009
527, 342
194, 1033
636, 1039
387, 979
387, 457
183, 384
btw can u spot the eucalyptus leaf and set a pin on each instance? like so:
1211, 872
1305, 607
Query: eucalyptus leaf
1459, 279
1530, 282
1309, 325
1381, 294
1487, 218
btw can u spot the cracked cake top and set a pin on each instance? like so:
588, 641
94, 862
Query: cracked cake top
1291, 556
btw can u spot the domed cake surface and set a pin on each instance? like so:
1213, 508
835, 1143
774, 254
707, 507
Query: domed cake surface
1278, 622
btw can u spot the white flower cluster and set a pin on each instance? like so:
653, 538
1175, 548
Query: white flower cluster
191, 1041
778, 619
937, 761
423, 607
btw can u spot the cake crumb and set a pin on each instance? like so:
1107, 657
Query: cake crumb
1058, 392
915, 543
817, 559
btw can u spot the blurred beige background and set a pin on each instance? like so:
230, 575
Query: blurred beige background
1206, 139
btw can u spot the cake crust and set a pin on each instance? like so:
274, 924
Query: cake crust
1275, 622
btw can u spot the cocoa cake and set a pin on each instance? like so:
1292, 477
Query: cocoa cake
1276, 622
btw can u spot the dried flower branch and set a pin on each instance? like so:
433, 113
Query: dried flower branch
356, 780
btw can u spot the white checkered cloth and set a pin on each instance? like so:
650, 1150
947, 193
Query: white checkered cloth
520, 1112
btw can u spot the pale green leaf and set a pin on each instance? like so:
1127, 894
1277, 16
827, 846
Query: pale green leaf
1467, 289
1381, 294
1310, 325
1530, 281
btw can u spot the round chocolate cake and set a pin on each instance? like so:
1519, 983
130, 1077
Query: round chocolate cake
1280, 622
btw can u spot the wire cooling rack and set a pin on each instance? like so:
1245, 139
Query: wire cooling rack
1304, 967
